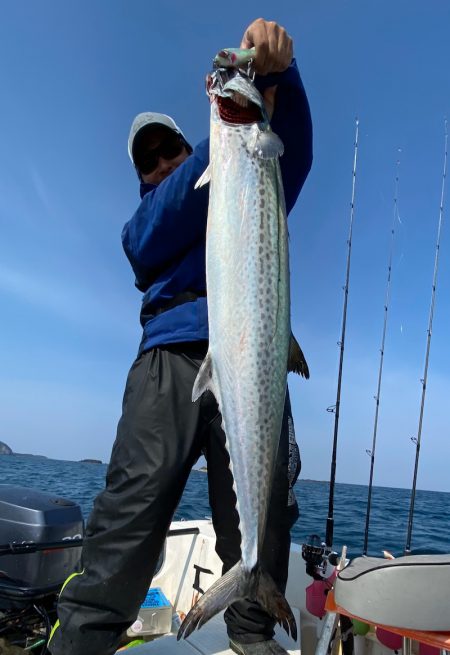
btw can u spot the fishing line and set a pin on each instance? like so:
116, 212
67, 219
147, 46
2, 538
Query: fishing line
423, 381
335, 408
371, 452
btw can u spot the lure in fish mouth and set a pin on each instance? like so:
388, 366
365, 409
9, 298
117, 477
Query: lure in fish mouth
251, 347
234, 58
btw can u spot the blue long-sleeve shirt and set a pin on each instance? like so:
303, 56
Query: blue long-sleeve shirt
165, 239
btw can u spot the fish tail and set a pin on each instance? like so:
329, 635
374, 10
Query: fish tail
239, 583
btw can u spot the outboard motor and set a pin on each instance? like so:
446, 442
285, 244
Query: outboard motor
38, 532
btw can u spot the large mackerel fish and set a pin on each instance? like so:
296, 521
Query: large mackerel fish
251, 347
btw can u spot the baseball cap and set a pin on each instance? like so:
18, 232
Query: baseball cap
150, 118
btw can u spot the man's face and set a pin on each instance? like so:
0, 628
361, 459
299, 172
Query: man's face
159, 153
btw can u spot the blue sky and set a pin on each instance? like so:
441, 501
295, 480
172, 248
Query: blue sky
73, 75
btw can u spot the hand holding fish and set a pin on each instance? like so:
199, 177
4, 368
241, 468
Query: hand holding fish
274, 48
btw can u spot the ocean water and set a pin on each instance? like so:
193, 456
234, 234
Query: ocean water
81, 482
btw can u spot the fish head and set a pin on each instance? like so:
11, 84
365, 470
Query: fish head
235, 98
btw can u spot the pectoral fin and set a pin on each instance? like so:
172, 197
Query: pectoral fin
203, 381
297, 362
266, 145
204, 178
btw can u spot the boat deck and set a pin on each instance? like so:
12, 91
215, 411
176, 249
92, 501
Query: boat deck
210, 640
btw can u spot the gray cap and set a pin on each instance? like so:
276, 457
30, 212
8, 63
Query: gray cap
149, 118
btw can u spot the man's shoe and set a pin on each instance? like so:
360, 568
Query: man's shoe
268, 647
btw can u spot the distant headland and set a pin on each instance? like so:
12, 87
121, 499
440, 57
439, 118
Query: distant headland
6, 450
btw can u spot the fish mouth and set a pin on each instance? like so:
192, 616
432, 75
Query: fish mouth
236, 102
235, 111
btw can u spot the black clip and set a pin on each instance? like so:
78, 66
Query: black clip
198, 570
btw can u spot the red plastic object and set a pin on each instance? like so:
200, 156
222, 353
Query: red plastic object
316, 595
425, 649
389, 639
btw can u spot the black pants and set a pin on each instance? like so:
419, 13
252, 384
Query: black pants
160, 435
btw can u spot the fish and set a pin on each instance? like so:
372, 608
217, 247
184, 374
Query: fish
251, 347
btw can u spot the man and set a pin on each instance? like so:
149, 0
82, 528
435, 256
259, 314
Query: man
161, 432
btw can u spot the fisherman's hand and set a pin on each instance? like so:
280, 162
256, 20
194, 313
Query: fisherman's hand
273, 45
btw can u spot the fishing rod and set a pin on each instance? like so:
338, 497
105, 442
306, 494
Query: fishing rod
423, 381
371, 452
336, 408
26, 547
315, 552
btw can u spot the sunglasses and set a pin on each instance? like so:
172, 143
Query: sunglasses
169, 148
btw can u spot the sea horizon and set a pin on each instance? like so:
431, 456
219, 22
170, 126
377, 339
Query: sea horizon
81, 482
203, 469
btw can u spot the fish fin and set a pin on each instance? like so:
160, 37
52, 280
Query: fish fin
236, 584
204, 178
272, 600
266, 145
297, 362
203, 380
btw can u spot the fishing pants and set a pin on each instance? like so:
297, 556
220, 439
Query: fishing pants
160, 436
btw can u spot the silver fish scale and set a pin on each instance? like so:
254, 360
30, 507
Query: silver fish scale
249, 321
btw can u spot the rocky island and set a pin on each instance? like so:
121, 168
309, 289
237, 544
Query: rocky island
5, 449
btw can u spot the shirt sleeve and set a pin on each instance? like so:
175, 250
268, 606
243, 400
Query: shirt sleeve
169, 221
291, 121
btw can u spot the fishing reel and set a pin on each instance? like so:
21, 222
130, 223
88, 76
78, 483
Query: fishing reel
317, 556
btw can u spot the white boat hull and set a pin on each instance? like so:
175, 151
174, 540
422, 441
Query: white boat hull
177, 575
